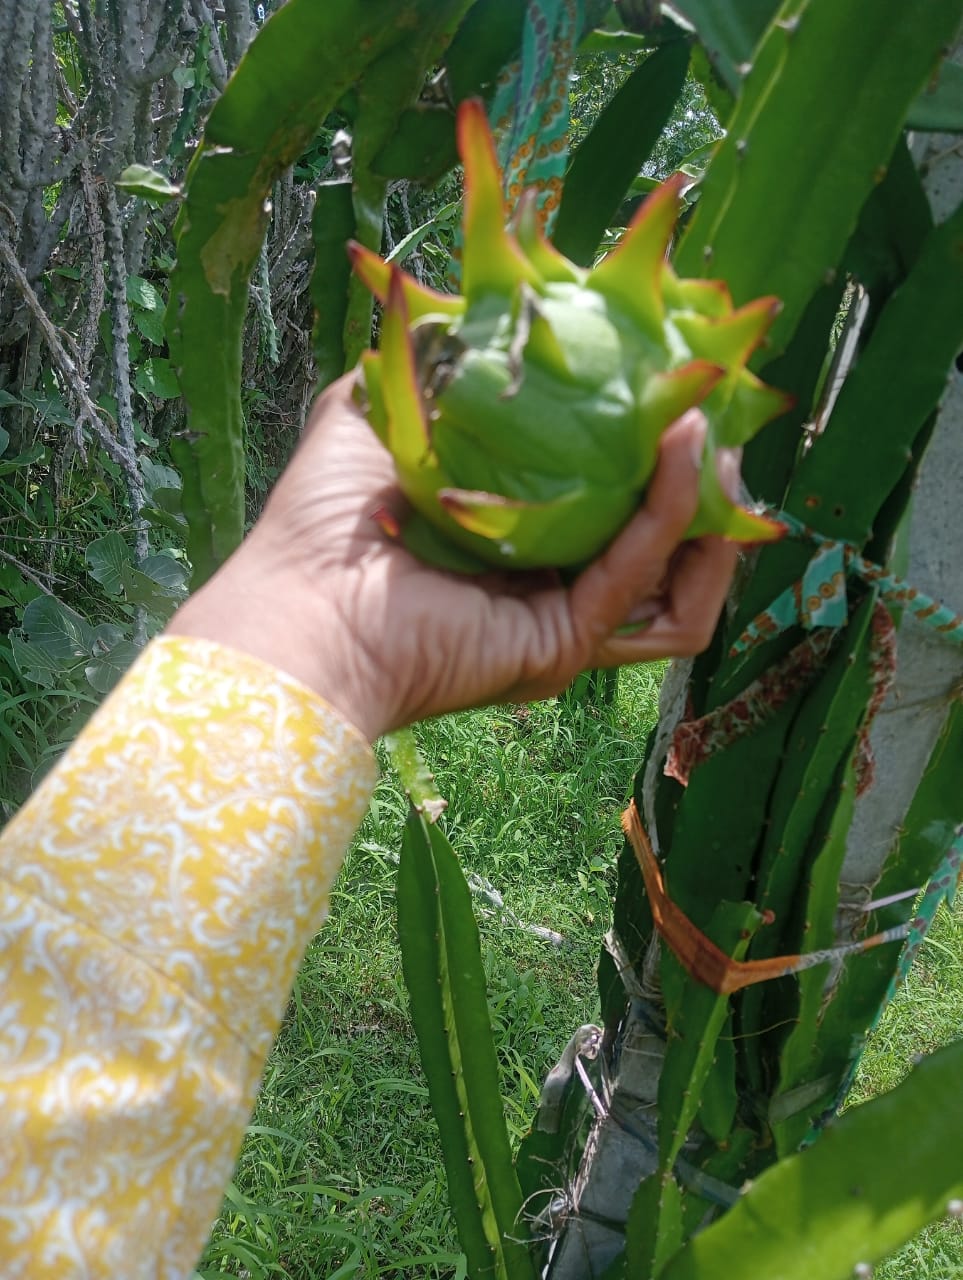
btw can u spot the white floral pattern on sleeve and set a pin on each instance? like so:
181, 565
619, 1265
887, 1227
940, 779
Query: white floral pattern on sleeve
156, 896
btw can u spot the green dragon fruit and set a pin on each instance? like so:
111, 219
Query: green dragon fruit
524, 418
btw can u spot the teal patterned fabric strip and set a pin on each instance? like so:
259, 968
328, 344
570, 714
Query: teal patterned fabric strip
530, 110
818, 599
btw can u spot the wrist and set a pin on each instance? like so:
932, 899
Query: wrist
273, 614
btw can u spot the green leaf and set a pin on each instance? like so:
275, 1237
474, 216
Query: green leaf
873, 1179
893, 224
167, 573
4, 440
800, 1098
156, 377
141, 180
145, 438
59, 631
770, 458
166, 512
157, 476
823, 62
107, 558
108, 665
919, 331
445, 216
446, 985
106, 635
489, 37
13, 585
141, 293
615, 150
939, 108
35, 664
51, 408
150, 325
7, 400
36, 453
9, 724
157, 584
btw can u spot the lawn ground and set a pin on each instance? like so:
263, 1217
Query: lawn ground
341, 1174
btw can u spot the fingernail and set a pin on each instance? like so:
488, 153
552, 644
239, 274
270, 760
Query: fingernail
699, 427
728, 464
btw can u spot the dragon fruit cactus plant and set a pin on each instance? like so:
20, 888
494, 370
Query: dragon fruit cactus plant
524, 417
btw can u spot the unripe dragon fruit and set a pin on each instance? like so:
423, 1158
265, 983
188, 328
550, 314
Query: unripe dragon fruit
524, 418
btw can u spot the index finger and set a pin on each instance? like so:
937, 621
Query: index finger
695, 594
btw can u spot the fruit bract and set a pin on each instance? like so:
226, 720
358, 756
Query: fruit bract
524, 417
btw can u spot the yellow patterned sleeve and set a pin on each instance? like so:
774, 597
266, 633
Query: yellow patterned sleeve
156, 896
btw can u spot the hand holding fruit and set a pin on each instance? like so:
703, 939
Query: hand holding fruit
319, 590
518, 429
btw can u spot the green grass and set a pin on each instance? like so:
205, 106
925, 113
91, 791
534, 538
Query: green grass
926, 1014
341, 1173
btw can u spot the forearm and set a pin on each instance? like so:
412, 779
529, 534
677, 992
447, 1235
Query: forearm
157, 895
263, 602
